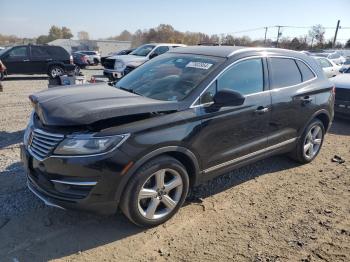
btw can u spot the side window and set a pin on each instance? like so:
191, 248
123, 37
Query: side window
208, 95
38, 51
324, 63
245, 77
306, 72
284, 72
161, 50
18, 52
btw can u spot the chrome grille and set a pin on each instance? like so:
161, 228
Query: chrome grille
41, 143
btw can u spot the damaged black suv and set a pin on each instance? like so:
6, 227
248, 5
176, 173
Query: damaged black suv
174, 122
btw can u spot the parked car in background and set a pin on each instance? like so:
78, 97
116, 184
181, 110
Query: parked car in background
2, 48
37, 59
335, 57
342, 95
80, 60
178, 120
118, 66
345, 66
93, 57
329, 68
122, 52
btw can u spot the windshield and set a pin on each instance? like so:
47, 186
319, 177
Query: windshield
170, 77
142, 50
4, 50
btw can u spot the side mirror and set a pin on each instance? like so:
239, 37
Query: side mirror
227, 97
153, 55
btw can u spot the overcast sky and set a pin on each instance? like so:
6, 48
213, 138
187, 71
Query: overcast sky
104, 18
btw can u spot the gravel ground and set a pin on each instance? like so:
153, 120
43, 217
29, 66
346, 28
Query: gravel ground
274, 210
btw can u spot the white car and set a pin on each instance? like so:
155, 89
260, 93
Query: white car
93, 57
118, 66
330, 68
335, 57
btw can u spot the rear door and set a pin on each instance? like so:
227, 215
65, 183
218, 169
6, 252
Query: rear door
17, 61
39, 59
293, 101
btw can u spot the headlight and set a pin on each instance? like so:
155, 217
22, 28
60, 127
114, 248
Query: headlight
119, 65
89, 145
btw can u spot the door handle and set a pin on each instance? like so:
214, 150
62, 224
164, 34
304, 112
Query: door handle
261, 110
25, 60
306, 99
49, 59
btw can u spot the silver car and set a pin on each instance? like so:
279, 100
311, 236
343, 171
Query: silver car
118, 66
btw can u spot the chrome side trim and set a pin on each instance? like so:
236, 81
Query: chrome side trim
233, 161
252, 57
92, 183
47, 202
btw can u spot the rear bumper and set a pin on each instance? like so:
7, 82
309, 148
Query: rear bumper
68, 67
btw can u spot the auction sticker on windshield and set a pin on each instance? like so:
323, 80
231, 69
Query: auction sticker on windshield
199, 65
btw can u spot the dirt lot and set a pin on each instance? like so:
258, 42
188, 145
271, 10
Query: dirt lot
274, 210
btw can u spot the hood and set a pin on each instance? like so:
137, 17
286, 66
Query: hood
87, 104
341, 81
126, 59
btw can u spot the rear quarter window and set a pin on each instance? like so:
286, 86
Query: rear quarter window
306, 72
284, 72
57, 52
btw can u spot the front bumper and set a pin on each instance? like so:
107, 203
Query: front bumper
342, 109
110, 73
86, 183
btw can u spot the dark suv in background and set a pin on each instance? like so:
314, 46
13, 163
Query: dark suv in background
180, 119
37, 59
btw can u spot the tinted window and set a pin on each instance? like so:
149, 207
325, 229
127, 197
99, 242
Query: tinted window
284, 72
208, 95
161, 50
56, 51
143, 50
18, 52
306, 72
245, 77
38, 51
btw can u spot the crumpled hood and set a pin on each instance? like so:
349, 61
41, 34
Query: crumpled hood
341, 81
87, 104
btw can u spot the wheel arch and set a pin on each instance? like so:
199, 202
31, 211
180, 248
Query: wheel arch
182, 154
323, 115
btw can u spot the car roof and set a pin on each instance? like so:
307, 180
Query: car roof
228, 51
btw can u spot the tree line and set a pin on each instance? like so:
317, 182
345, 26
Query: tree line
314, 39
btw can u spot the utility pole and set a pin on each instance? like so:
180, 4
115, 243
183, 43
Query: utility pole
278, 34
265, 35
336, 33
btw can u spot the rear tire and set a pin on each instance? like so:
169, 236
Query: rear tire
310, 143
155, 192
2, 76
55, 71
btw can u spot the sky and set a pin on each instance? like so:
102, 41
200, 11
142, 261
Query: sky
105, 18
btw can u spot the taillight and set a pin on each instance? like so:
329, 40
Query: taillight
71, 60
333, 90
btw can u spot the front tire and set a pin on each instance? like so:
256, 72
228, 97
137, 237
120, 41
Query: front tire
155, 192
2, 76
310, 143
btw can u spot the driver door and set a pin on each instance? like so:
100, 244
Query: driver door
17, 60
229, 134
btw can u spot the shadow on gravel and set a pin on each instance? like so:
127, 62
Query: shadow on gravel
340, 127
16, 78
10, 138
241, 175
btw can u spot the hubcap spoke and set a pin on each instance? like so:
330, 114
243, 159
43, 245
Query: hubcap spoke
315, 132
307, 147
151, 209
318, 141
173, 184
168, 202
147, 193
160, 178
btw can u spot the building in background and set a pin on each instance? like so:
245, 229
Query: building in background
103, 46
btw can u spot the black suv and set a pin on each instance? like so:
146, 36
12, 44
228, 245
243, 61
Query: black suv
174, 122
37, 59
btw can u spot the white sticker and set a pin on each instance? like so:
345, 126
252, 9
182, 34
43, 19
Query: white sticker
199, 65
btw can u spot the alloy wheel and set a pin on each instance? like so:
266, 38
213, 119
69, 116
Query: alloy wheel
56, 71
160, 194
313, 141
